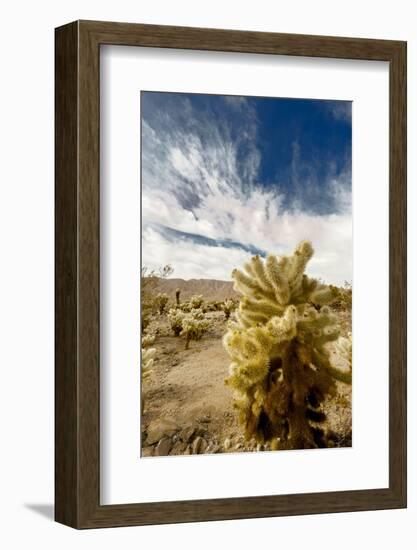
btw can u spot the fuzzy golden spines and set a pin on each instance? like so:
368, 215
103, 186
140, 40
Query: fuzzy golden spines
277, 344
269, 285
251, 349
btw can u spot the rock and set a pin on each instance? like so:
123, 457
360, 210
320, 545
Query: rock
226, 443
147, 451
187, 434
159, 429
199, 445
201, 431
212, 448
178, 448
163, 447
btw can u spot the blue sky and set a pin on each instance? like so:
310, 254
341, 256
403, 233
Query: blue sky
226, 177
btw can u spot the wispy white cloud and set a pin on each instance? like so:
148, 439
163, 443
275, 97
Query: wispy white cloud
199, 177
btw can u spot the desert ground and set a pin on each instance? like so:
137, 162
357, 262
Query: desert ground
187, 408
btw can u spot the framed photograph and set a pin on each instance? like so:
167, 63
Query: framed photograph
230, 274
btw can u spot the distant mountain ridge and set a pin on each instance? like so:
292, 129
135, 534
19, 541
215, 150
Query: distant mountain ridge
211, 289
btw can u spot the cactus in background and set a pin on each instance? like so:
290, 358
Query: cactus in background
148, 340
228, 306
196, 301
281, 369
177, 296
149, 281
193, 328
190, 325
161, 301
210, 306
343, 300
148, 357
175, 318
197, 314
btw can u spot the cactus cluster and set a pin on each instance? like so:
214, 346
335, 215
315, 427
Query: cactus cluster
228, 307
149, 281
281, 370
161, 301
196, 301
193, 328
148, 340
343, 299
175, 318
191, 325
213, 306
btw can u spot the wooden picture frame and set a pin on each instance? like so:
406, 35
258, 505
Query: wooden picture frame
77, 374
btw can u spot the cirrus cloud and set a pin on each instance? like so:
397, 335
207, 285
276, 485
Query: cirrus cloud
206, 208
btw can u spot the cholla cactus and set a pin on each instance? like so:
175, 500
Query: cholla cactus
148, 357
145, 320
228, 306
175, 318
197, 314
148, 340
191, 325
210, 306
196, 301
177, 296
343, 300
161, 301
281, 370
343, 348
193, 328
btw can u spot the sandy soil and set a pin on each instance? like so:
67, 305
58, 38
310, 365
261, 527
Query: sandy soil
188, 408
